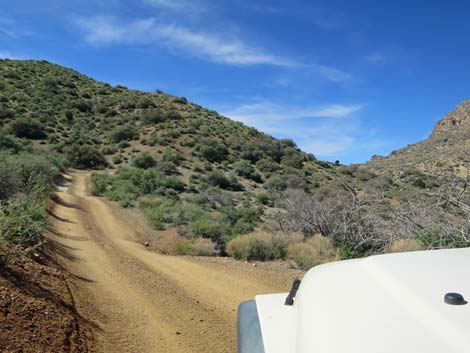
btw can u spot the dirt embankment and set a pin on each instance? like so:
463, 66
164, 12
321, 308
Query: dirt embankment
136, 300
37, 311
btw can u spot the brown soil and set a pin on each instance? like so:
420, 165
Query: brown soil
141, 301
37, 312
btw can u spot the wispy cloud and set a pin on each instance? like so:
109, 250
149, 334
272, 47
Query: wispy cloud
376, 58
7, 55
211, 47
327, 131
181, 6
268, 111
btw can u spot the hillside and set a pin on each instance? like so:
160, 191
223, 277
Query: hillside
443, 155
203, 180
188, 168
415, 198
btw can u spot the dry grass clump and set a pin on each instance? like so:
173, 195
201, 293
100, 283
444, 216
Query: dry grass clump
315, 251
404, 245
194, 247
258, 245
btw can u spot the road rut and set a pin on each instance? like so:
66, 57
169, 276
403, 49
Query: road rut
141, 301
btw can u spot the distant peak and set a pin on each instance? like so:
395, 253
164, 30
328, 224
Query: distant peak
458, 119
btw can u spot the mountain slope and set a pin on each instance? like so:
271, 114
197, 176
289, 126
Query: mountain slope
189, 167
415, 198
444, 154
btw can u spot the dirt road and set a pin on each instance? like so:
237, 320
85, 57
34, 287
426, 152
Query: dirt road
141, 301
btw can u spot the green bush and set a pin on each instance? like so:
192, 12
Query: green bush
23, 218
212, 153
153, 116
8, 142
217, 178
194, 247
108, 150
172, 155
257, 246
263, 198
275, 184
315, 251
208, 227
27, 128
124, 133
117, 159
85, 157
144, 160
26, 181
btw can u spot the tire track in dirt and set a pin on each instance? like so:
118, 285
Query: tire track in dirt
140, 300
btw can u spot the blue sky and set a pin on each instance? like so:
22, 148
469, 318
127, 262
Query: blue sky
344, 79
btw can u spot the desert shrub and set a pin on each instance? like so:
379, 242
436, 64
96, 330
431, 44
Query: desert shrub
6, 113
117, 159
124, 133
128, 184
217, 178
292, 158
167, 168
153, 116
83, 106
275, 184
99, 183
194, 247
251, 152
208, 227
180, 100
8, 142
172, 155
264, 198
314, 251
241, 219
404, 245
144, 160
172, 182
85, 157
212, 153
145, 103
108, 150
260, 246
163, 212
420, 183
23, 218
28, 128
245, 169
268, 165
26, 181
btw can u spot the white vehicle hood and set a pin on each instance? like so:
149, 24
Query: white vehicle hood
381, 304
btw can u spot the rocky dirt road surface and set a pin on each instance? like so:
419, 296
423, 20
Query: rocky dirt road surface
140, 301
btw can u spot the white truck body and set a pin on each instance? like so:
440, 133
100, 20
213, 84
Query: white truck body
381, 304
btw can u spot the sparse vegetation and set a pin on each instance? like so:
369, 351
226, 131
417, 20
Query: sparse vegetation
25, 184
258, 246
188, 167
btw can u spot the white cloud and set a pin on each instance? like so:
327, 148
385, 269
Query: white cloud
332, 74
211, 47
191, 7
328, 146
268, 111
323, 131
7, 55
376, 59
